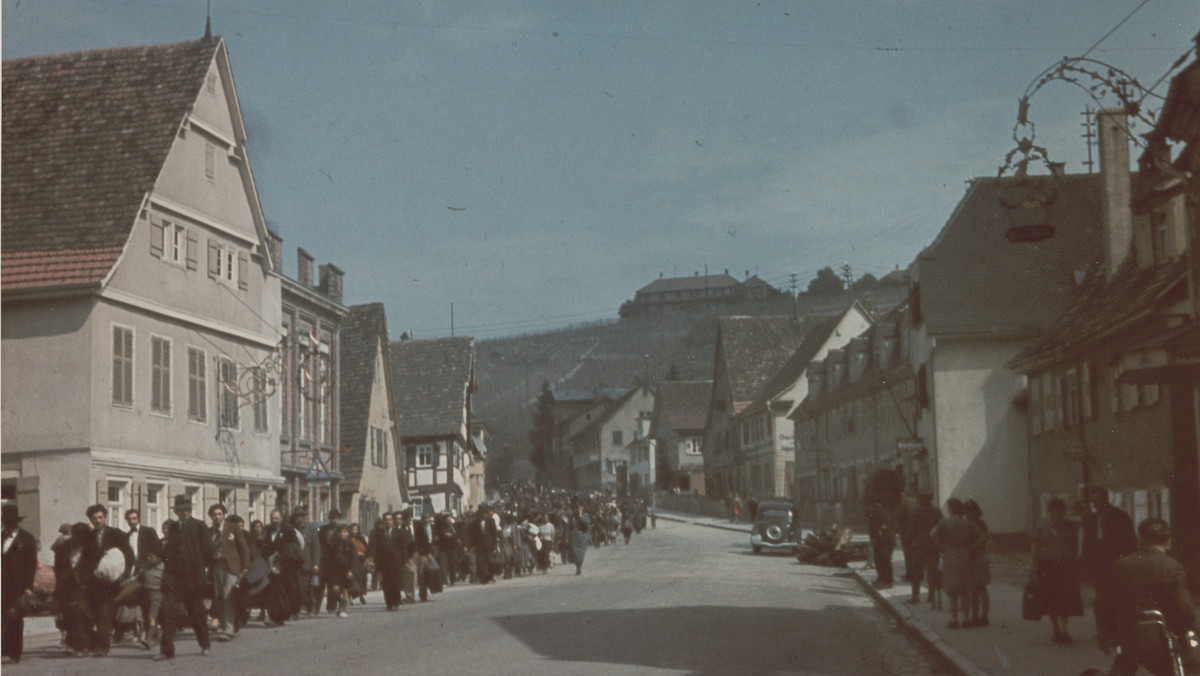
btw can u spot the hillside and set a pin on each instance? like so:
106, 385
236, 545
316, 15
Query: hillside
510, 371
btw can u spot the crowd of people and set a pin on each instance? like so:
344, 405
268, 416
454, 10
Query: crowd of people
1130, 570
112, 584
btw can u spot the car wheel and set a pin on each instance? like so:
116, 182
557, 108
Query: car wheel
774, 532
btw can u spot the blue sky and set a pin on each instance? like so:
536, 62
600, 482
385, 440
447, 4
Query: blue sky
535, 163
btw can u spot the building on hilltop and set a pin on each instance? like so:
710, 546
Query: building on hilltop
370, 459
141, 319
701, 294
433, 382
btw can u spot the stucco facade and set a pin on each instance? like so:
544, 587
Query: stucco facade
135, 390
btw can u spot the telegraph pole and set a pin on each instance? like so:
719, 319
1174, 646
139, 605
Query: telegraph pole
848, 275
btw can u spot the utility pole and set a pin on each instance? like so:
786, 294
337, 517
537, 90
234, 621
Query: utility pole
795, 298
848, 275
1089, 134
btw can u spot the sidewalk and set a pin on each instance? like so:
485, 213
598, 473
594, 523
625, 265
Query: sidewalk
1009, 646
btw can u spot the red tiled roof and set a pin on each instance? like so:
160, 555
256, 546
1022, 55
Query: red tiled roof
973, 280
85, 135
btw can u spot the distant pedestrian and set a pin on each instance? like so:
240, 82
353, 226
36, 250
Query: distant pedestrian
955, 536
979, 601
923, 553
579, 538
883, 544
1055, 569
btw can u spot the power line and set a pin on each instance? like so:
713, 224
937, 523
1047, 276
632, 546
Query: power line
1114, 28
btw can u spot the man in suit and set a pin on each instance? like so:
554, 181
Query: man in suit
282, 543
231, 560
1148, 579
310, 540
407, 541
18, 568
147, 553
185, 580
99, 595
385, 550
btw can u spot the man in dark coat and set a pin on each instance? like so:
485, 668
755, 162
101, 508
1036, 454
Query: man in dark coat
19, 567
1148, 579
923, 556
310, 539
325, 534
185, 580
1107, 534
231, 560
99, 595
385, 550
286, 554
423, 534
883, 543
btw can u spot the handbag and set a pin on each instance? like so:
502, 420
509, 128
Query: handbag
1031, 602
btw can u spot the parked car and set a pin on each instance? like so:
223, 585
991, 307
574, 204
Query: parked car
774, 527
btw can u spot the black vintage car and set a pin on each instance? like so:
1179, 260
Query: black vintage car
774, 527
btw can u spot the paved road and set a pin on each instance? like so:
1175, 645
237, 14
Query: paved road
679, 599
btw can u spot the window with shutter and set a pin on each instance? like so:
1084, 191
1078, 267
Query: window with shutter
157, 236
214, 259
193, 244
122, 372
197, 385
228, 378
242, 274
160, 375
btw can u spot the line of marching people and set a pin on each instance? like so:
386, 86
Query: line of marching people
109, 583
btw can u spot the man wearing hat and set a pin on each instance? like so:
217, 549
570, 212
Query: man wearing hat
19, 567
310, 540
185, 582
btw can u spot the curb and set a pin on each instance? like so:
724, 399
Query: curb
731, 527
917, 629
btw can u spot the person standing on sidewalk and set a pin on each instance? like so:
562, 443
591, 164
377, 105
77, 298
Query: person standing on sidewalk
1107, 534
979, 602
1055, 569
883, 543
922, 552
955, 536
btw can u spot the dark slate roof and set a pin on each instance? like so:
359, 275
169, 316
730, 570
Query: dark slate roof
85, 135
1104, 306
689, 283
819, 331
974, 281
754, 349
364, 330
684, 403
430, 380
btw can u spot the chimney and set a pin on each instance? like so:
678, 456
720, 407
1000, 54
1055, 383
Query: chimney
304, 268
331, 282
275, 251
1117, 213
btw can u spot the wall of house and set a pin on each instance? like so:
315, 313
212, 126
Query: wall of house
980, 437
45, 377
381, 484
624, 420
1128, 450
